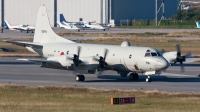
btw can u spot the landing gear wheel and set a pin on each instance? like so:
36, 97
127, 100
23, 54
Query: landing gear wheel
80, 78
133, 76
148, 79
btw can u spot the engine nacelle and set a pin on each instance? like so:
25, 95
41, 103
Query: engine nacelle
170, 56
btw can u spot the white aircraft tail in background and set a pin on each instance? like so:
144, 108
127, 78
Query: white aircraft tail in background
198, 24
67, 26
21, 28
85, 25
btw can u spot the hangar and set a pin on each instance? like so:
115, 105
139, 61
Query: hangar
101, 11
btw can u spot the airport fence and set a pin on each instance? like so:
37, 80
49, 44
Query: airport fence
160, 23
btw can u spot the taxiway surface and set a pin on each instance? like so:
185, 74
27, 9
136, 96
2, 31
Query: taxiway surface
17, 34
172, 80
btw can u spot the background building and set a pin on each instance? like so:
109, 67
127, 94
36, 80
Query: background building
25, 11
141, 9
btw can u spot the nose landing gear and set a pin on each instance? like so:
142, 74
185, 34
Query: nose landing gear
148, 79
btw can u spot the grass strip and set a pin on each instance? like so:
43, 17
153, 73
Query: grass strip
73, 99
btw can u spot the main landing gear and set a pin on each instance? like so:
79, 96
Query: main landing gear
80, 78
133, 76
148, 79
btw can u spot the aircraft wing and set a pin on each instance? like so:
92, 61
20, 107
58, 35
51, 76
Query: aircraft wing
24, 44
37, 60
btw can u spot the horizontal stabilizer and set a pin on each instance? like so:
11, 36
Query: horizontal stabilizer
25, 44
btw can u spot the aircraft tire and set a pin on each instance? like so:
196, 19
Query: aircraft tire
79, 78
133, 76
148, 79
82, 77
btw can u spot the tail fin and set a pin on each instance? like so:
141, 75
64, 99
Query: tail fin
43, 31
6, 24
198, 24
62, 18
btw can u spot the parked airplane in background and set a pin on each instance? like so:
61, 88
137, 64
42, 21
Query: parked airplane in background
21, 28
85, 58
69, 26
85, 25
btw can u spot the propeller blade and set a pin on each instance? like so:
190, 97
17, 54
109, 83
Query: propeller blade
76, 60
105, 54
182, 67
100, 72
162, 51
78, 51
189, 54
178, 48
75, 70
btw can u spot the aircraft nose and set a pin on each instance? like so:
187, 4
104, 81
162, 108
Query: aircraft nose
161, 64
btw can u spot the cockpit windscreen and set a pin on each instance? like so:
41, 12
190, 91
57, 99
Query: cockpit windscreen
152, 54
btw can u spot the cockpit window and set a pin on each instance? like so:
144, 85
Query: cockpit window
148, 55
159, 53
148, 51
154, 54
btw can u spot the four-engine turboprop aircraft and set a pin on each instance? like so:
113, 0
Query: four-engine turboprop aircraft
21, 27
85, 58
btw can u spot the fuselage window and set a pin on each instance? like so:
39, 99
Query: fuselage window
113, 54
130, 56
97, 54
67, 52
154, 54
148, 55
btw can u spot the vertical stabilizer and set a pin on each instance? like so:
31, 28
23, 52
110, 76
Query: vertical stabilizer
62, 18
43, 31
6, 24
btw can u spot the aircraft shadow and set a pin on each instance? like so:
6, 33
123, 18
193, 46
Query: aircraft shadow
111, 78
190, 64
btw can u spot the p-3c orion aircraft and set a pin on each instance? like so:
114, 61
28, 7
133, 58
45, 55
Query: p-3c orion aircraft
85, 58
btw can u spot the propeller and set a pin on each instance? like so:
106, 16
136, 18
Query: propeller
180, 58
102, 62
76, 59
162, 51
